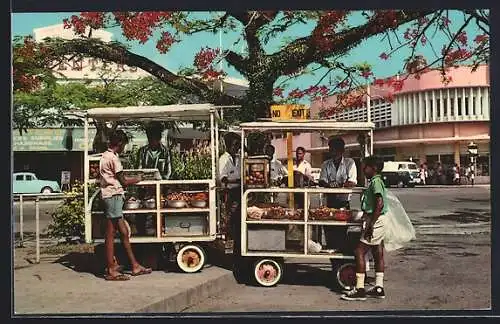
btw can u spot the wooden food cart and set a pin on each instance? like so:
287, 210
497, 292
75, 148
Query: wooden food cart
183, 227
266, 236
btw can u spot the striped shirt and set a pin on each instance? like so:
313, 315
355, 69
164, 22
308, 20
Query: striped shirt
150, 158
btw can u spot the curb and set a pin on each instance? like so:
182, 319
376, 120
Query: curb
454, 186
190, 297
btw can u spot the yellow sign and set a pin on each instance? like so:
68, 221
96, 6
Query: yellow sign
290, 112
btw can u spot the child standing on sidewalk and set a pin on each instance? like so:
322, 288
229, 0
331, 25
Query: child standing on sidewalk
112, 183
374, 207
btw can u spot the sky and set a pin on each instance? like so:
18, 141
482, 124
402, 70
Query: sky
182, 53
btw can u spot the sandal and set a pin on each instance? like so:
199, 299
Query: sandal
120, 277
143, 271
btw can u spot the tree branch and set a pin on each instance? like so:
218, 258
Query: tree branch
119, 54
478, 17
304, 51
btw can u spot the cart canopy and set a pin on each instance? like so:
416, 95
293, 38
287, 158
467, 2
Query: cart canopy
182, 112
325, 126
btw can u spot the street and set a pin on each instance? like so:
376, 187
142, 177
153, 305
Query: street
47, 207
448, 266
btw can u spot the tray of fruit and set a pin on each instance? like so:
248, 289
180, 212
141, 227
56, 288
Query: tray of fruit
295, 214
342, 215
322, 213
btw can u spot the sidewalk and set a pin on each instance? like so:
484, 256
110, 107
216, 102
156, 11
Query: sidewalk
55, 286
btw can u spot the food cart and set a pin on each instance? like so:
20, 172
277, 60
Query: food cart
267, 237
184, 212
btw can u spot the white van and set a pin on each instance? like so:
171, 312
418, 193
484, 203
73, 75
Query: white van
401, 174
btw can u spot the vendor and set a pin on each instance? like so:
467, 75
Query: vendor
230, 178
337, 172
278, 170
301, 164
154, 155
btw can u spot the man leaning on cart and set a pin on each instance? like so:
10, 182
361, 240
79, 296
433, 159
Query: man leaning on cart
337, 172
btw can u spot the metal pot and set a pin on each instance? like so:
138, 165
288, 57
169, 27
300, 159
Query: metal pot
198, 203
176, 203
150, 204
133, 204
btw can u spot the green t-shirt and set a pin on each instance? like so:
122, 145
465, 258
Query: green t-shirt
369, 196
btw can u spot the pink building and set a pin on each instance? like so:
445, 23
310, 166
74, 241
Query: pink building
428, 121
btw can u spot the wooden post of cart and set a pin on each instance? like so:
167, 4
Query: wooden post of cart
290, 112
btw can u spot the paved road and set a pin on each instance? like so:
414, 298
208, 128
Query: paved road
46, 210
446, 267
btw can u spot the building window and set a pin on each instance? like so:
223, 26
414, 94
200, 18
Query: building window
466, 106
460, 102
445, 107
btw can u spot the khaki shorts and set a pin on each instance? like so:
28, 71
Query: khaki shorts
378, 232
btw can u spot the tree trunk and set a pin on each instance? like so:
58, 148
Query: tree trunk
100, 143
259, 99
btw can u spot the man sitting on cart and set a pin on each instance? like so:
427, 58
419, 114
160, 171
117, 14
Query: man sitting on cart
230, 177
337, 172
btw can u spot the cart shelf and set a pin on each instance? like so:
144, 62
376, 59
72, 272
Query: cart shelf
272, 221
164, 239
334, 223
132, 211
185, 210
299, 255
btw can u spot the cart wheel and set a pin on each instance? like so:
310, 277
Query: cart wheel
346, 275
190, 258
267, 272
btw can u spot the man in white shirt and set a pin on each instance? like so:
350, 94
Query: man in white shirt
337, 172
230, 177
301, 165
278, 170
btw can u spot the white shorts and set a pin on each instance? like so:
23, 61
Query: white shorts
378, 232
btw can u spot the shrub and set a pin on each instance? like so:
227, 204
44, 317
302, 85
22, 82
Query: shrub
68, 220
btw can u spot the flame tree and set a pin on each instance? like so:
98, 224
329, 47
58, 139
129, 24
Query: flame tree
333, 36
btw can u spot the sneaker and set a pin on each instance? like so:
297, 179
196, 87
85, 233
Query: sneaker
355, 294
377, 292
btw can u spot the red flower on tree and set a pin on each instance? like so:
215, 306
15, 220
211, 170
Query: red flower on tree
165, 42
278, 92
384, 56
481, 39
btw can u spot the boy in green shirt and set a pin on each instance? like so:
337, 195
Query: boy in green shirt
374, 207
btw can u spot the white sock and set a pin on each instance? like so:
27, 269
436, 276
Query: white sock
379, 279
360, 280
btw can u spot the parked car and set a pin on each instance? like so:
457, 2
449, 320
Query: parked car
28, 183
401, 174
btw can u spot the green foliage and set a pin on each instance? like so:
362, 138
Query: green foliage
192, 165
47, 106
68, 219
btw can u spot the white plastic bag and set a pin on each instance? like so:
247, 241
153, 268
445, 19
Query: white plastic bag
398, 227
